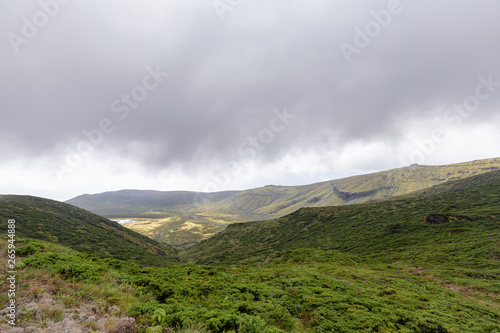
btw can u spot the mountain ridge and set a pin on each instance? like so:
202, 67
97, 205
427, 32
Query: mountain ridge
352, 189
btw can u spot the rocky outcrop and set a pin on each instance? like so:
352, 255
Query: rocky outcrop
89, 317
352, 197
125, 325
436, 219
313, 200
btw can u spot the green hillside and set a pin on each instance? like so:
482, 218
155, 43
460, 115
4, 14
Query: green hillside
307, 291
179, 218
275, 201
391, 230
80, 230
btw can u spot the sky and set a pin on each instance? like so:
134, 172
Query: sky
233, 94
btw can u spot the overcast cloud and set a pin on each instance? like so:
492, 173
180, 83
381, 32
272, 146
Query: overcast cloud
257, 91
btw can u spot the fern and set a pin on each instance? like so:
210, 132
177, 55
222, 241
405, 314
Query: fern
159, 316
156, 329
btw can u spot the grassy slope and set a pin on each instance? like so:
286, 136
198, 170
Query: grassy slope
390, 230
276, 201
81, 230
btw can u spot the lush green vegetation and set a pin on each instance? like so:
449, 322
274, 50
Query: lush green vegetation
308, 290
83, 231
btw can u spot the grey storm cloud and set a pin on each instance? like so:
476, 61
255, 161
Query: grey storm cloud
227, 76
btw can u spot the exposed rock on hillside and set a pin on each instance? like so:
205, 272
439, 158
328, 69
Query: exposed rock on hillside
435, 219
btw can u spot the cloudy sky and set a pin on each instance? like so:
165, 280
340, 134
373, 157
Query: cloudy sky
228, 94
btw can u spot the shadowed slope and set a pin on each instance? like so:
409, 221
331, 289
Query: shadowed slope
78, 229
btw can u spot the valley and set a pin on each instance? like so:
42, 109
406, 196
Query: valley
162, 215
179, 231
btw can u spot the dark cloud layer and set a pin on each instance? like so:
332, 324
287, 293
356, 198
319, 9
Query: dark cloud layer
226, 77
